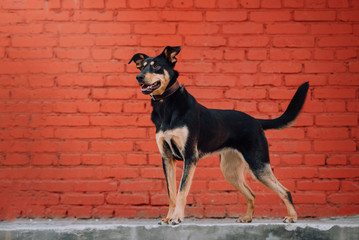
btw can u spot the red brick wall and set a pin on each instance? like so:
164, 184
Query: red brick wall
75, 131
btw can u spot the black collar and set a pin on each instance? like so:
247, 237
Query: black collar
169, 91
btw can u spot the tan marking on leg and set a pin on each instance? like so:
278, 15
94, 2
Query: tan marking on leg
172, 189
270, 181
178, 214
233, 167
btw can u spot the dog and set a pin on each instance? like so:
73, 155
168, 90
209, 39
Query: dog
187, 131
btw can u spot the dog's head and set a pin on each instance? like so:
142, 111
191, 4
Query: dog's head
156, 72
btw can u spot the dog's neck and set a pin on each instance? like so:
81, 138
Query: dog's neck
168, 92
172, 87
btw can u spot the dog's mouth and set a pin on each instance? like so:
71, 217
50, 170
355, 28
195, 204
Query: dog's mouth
148, 89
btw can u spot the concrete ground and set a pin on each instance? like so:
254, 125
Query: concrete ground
72, 229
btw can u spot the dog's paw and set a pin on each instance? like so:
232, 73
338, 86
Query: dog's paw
288, 219
245, 219
164, 221
176, 221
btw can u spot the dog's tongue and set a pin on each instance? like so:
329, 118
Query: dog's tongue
149, 88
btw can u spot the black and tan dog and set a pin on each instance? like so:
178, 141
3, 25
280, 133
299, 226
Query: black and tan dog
187, 131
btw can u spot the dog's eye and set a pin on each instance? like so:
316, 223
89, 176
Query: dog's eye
156, 66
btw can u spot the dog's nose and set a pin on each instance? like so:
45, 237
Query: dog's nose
140, 78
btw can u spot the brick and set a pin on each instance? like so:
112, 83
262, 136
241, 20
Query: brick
348, 15
336, 120
78, 133
79, 211
331, 28
93, 4
15, 159
82, 199
155, 28
324, 67
129, 133
113, 121
338, 3
300, 173
66, 28
318, 185
227, 4
271, 4
66, 53
40, 53
197, 67
330, 93
315, 3
90, 15
110, 28
314, 159
291, 41
270, 16
337, 160
140, 186
250, 3
212, 41
224, 16
160, 41
309, 198
80, 80
182, 16
248, 41
351, 198
244, 67
34, 41
332, 145
205, 3
130, 16
354, 67
254, 93
290, 146
133, 199
243, 28
287, 28
115, 4
139, 4
289, 133
116, 172
92, 67
328, 133
111, 146
338, 41
76, 41
101, 53
316, 15
197, 29
257, 54
216, 199
281, 67
293, 3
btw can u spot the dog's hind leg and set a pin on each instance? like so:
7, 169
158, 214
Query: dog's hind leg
234, 168
169, 168
267, 177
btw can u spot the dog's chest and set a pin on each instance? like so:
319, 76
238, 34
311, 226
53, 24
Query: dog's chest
172, 142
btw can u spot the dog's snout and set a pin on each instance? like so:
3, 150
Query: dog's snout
140, 78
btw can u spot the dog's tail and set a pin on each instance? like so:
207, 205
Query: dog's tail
291, 113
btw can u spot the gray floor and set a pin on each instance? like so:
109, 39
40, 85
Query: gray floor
334, 228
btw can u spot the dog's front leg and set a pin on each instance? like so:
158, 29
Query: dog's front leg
169, 168
186, 181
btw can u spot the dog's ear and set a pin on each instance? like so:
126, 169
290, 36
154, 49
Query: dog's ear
170, 53
138, 58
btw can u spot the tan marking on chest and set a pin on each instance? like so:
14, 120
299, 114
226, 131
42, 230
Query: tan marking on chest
178, 136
